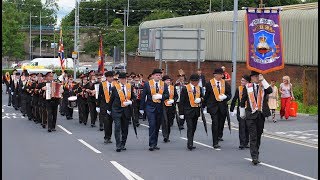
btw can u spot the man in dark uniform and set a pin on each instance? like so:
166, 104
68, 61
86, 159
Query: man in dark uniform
243, 128
190, 100
218, 93
16, 94
92, 99
23, 93
34, 96
137, 88
82, 96
180, 83
51, 105
29, 91
99, 81
121, 100
69, 90
255, 95
105, 90
170, 108
155, 92
42, 102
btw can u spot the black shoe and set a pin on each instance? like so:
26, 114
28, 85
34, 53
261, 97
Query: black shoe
220, 139
16, 109
68, 118
62, 114
30, 119
43, 126
101, 129
166, 140
9, 104
241, 147
190, 148
123, 149
216, 146
49, 130
129, 122
181, 128
138, 124
71, 117
156, 148
107, 141
93, 125
80, 122
85, 124
24, 115
118, 150
151, 149
255, 161
53, 129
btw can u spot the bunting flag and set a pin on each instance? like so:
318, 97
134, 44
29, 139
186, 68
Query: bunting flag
100, 61
61, 52
264, 41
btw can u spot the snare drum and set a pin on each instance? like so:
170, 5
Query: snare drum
72, 102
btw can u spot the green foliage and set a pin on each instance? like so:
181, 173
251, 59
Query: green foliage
298, 92
313, 109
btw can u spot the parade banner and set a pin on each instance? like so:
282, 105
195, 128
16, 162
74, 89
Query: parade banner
100, 61
264, 41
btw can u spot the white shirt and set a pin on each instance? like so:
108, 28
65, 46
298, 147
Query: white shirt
216, 81
123, 87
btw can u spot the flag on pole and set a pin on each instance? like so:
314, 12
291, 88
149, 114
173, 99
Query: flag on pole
100, 61
61, 52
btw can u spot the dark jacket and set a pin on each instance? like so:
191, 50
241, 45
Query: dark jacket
185, 107
146, 98
115, 104
101, 101
212, 104
265, 107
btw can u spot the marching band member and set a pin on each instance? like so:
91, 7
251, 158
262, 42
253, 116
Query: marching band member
82, 96
218, 93
29, 92
180, 83
91, 98
40, 106
255, 96
121, 100
51, 104
243, 128
170, 108
69, 90
99, 80
190, 99
137, 88
103, 105
63, 78
16, 94
35, 97
154, 93
11, 88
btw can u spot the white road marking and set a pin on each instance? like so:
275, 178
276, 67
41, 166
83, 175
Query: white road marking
89, 146
127, 173
297, 132
284, 170
2, 110
64, 129
280, 132
289, 141
314, 140
205, 145
303, 137
201, 144
292, 135
3, 117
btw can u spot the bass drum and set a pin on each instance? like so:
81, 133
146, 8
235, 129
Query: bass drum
72, 102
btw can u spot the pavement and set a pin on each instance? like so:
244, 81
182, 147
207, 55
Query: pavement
76, 152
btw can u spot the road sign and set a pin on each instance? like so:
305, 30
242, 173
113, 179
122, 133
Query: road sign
74, 54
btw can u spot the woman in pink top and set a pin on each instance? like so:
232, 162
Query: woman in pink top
286, 96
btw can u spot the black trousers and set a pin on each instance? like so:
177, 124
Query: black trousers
243, 132
23, 108
83, 111
121, 125
107, 122
217, 119
10, 97
44, 115
29, 106
255, 131
222, 120
191, 128
181, 123
16, 98
52, 110
93, 112
166, 127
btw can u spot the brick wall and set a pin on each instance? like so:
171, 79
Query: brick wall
145, 65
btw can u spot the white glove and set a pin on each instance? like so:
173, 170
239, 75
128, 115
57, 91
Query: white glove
232, 113
126, 103
205, 111
222, 97
141, 112
197, 100
98, 109
242, 113
129, 102
157, 96
109, 112
170, 101
181, 116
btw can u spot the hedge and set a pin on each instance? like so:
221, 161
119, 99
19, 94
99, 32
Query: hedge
57, 71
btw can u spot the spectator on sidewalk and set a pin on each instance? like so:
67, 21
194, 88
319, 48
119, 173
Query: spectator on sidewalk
286, 97
226, 75
273, 100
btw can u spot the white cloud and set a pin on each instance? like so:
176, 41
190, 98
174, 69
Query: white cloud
65, 7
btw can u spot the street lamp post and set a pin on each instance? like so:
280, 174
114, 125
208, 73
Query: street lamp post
30, 37
124, 40
40, 33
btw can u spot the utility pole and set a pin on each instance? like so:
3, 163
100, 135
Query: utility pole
30, 40
40, 33
76, 32
107, 12
234, 47
210, 7
124, 42
128, 14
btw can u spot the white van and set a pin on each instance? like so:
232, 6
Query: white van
52, 62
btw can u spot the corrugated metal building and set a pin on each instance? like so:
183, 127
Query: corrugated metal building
299, 33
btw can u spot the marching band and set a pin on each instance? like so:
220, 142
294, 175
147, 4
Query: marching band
122, 99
